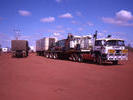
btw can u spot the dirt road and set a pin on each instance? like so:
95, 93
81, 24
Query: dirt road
39, 78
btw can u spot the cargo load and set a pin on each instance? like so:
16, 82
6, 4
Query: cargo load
45, 44
84, 42
19, 48
19, 45
79, 48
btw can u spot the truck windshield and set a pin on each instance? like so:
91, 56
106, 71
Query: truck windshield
115, 43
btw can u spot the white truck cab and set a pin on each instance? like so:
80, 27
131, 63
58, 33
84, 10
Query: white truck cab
110, 49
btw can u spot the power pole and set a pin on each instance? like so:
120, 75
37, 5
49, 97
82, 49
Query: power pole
17, 33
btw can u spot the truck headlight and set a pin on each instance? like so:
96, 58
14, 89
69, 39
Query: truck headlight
111, 51
125, 51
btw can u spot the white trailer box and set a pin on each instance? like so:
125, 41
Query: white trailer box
45, 44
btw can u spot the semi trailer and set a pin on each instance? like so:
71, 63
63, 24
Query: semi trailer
19, 48
79, 48
45, 44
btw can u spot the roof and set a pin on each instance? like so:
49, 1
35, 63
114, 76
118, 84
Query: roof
106, 39
75, 36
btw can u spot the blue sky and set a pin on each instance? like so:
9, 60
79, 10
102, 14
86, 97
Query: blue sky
35, 19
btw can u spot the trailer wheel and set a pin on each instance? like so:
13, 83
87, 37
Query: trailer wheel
51, 55
74, 58
23, 54
80, 59
95, 60
99, 60
27, 53
70, 57
55, 56
47, 55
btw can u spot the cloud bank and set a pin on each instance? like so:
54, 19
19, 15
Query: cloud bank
48, 19
24, 13
66, 15
122, 18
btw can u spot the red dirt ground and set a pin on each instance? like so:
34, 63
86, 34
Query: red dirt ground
39, 78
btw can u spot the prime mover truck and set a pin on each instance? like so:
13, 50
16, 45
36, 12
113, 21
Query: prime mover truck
79, 48
19, 48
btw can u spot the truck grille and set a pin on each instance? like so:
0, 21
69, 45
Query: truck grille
118, 54
118, 51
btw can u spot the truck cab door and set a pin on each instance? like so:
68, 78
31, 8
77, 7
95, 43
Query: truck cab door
97, 45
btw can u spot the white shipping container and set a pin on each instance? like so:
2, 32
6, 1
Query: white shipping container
38, 45
44, 44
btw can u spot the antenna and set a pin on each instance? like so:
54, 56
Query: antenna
41, 35
95, 35
17, 33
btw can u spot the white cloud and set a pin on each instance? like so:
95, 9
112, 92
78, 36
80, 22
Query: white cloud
80, 29
74, 22
90, 24
68, 29
78, 13
124, 15
101, 34
122, 18
48, 19
116, 21
56, 31
56, 34
24, 13
104, 31
111, 20
59, 26
66, 15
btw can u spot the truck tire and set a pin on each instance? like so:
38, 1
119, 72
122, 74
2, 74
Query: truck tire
80, 59
51, 56
73, 57
24, 54
55, 56
47, 55
27, 54
95, 60
115, 62
99, 60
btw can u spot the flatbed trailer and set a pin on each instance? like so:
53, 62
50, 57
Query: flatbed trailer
79, 48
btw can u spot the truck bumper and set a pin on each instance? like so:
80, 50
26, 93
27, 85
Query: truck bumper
117, 57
